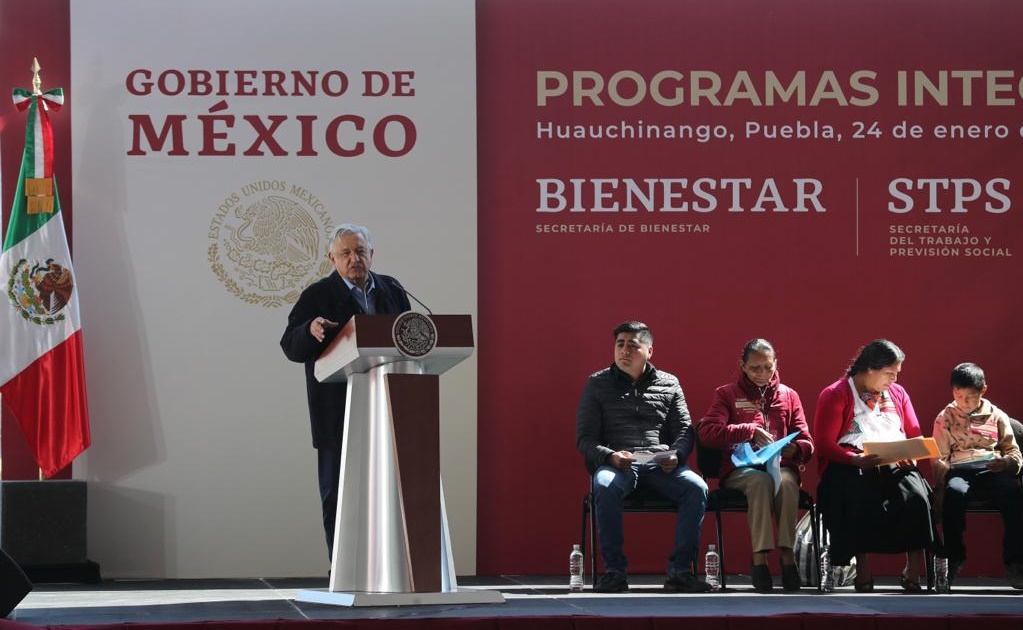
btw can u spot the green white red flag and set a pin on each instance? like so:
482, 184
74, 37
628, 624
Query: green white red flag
42, 371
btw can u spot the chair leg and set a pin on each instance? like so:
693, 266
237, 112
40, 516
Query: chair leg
931, 572
721, 549
815, 544
824, 540
593, 543
582, 534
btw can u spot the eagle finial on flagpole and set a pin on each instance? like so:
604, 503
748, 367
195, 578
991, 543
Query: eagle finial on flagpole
37, 83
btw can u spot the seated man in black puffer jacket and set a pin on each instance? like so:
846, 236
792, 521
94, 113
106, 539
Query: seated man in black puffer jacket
634, 430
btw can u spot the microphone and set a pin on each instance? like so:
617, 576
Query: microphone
414, 298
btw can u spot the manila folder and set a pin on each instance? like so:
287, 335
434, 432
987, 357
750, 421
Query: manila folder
914, 448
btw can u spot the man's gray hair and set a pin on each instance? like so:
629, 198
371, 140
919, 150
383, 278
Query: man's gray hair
351, 228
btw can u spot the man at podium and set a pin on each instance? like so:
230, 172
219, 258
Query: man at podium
323, 308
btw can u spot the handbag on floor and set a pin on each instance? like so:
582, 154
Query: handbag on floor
806, 563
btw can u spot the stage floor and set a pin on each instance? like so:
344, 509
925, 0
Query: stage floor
177, 601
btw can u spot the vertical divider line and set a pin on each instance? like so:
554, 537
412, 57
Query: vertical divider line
857, 216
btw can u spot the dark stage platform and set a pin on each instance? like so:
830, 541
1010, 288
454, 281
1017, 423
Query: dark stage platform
171, 602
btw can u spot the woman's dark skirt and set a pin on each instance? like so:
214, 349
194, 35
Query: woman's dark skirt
878, 510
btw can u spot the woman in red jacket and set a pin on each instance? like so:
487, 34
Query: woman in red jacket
758, 409
868, 508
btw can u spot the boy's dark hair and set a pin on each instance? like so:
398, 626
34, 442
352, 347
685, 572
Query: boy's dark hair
968, 376
641, 330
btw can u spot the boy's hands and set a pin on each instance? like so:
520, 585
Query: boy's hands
998, 464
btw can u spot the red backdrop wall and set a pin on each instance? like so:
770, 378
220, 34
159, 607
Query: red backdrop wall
818, 283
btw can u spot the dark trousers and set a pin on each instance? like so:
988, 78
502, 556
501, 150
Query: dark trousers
1003, 490
329, 469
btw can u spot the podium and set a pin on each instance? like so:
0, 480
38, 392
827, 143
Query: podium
391, 540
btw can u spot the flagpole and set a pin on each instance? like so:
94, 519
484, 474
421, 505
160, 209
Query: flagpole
1, 242
37, 89
37, 82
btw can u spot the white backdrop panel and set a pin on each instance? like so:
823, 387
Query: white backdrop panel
201, 464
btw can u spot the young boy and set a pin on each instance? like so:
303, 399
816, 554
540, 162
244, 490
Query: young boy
979, 458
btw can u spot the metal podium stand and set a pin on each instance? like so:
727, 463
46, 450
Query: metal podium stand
391, 539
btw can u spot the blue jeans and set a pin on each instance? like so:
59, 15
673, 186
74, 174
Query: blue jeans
683, 486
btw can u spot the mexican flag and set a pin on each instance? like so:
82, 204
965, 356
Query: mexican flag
42, 373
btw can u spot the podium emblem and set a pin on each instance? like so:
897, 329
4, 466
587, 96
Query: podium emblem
414, 334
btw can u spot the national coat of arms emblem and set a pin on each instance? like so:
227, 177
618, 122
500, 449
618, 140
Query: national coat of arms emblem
40, 291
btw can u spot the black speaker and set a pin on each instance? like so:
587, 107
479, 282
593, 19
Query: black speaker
14, 584
43, 523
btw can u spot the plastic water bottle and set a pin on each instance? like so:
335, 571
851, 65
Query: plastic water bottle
575, 570
712, 567
941, 584
827, 573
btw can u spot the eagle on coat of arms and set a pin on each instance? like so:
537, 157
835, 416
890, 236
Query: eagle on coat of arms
40, 291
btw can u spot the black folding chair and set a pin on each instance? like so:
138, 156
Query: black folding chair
722, 500
642, 500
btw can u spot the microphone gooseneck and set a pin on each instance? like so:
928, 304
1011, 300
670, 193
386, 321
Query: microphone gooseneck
414, 298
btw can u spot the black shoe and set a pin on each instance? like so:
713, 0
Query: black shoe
1014, 573
611, 582
685, 582
910, 585
790, 580
863, 586
953, 570
761, 578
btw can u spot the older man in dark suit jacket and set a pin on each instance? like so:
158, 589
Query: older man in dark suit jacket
319, 314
